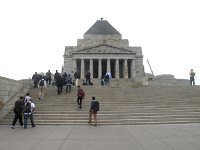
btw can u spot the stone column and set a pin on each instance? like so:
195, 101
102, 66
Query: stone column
117, 68
91, 68
108, 65
100, 69
125, 68
133, 70
82, 69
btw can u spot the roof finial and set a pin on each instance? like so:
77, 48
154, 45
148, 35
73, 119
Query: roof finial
101, 18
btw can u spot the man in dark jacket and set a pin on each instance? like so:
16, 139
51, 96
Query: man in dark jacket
87, 76
59, 83
48, 77
18, 109
35, 79
94, 108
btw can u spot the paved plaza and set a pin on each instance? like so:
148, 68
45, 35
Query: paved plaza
122, 137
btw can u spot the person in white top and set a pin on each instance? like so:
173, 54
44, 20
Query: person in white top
42, 86
27, 98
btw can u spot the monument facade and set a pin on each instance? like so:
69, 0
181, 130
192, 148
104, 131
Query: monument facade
102, 50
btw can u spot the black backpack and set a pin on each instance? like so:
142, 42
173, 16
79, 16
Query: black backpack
96, 106
192, 74
27, 107
41, 82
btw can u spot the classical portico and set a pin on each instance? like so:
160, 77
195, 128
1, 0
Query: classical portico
103, 50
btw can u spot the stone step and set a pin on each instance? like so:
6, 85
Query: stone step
110, 116
123, 102
113, 121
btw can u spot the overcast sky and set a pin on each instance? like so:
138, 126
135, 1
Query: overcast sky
34, 33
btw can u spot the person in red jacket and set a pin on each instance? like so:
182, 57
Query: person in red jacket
80, 96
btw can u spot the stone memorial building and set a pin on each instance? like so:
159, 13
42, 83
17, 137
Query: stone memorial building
102, 50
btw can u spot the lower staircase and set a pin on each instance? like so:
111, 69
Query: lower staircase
122, 102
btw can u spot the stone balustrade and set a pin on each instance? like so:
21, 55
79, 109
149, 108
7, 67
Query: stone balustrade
163, 80
10, 90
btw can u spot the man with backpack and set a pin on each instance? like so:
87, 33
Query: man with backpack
28, 113
94, 108
42, 86
18, 110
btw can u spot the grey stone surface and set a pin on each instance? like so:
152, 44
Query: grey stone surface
10, 90
102, 27
130, 137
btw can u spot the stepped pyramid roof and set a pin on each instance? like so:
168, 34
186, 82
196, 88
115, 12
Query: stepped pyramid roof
102, 27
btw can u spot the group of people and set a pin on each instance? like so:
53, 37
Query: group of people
24, 107
65, 79
37, 77
43, 80
94, 105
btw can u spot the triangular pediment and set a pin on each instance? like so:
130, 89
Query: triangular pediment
102, 49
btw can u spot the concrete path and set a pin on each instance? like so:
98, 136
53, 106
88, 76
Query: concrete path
133, 137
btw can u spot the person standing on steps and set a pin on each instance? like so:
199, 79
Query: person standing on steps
35, 79
94, 108
27, 98
192, 75
87, 77
56, 75
77, 77
80, 96
48, 77
18, 110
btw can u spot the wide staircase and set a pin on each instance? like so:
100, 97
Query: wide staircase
122, 102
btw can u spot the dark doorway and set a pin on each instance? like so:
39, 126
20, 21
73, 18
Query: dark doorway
129, 68
95, 68
104, 66
121, 68
112, 65
78, 65
87, 66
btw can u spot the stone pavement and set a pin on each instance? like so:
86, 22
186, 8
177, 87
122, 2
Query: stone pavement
122, 137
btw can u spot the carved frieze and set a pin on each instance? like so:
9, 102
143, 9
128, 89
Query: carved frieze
103, 49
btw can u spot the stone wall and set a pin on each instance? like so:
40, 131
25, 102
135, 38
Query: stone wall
10, 90
164, 80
